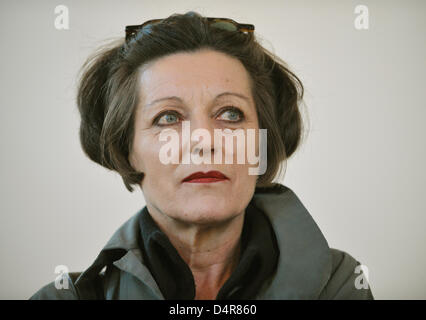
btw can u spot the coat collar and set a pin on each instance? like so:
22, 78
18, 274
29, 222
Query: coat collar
304, 264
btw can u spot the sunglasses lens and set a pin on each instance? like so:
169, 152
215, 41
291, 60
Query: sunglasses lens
224, 25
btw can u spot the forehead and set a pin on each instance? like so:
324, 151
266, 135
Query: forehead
201, 72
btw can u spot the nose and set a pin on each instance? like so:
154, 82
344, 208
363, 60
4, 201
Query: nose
202, 135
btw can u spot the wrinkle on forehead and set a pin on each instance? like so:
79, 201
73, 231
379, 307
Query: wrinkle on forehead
199, 75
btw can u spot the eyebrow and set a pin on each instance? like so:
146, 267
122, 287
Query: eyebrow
175, 98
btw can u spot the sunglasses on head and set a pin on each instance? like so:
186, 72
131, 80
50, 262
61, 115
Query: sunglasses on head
221, 23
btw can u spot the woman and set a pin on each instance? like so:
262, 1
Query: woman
209, 230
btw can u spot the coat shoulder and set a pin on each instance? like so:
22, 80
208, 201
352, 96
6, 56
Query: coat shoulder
51, 292
347, 280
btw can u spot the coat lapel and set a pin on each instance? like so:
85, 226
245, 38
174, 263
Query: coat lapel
304, 264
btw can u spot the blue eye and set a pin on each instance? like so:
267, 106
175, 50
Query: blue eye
232, 115
167, 119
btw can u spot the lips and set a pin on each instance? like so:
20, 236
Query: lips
208, 177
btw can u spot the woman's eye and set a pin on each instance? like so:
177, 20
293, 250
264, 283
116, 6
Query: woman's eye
233, 115
168, 118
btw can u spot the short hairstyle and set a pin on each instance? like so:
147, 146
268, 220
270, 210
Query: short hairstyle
108, 91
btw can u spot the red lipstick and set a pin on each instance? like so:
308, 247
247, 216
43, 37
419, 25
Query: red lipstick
208, 177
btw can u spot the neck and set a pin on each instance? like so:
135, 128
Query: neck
211, 251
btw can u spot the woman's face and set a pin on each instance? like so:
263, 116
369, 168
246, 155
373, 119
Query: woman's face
197, 81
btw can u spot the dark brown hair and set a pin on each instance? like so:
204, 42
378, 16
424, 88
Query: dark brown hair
108, 93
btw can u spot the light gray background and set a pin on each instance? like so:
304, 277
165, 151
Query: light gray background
360, 172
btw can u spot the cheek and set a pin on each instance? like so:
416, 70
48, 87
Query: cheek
143, 154
146, 157
244, 178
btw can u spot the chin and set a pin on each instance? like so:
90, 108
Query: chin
207, 213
